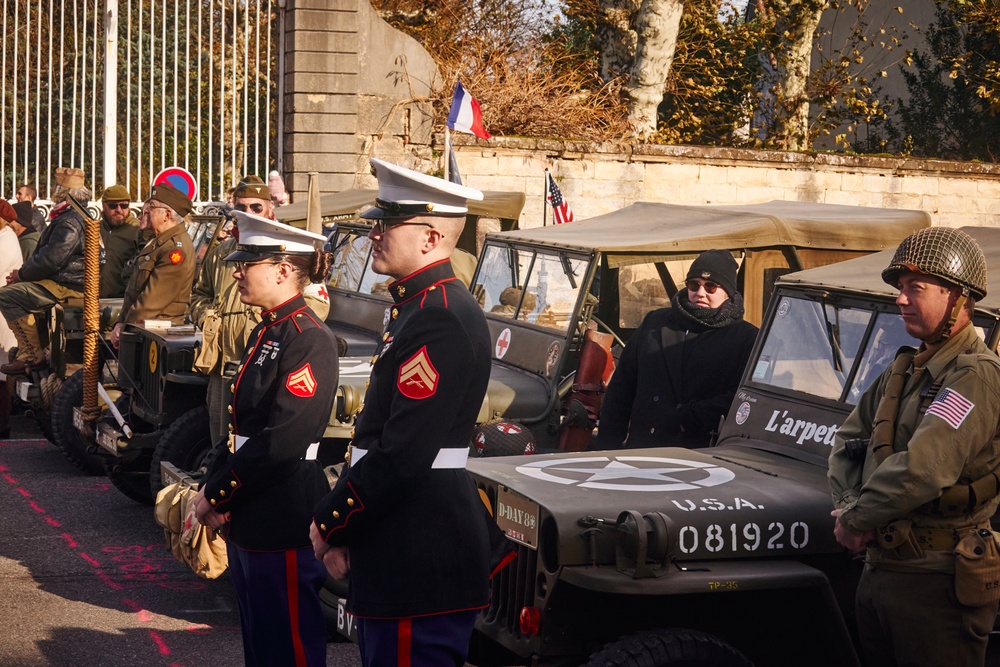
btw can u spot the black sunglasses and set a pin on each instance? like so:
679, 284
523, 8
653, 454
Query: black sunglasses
382, 226
710, 287
253, 208
123, 205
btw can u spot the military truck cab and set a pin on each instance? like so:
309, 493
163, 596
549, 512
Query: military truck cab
543, 288
716, 556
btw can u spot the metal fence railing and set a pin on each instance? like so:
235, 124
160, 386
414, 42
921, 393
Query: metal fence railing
124, 88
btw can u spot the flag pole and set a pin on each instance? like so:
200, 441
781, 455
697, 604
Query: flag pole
545, 198
447, 152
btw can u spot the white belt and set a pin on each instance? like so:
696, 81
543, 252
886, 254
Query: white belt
452, 457
311, 452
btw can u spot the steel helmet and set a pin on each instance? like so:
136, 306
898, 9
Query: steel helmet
946, 253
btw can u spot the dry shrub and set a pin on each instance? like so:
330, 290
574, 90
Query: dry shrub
529, 93
527, 81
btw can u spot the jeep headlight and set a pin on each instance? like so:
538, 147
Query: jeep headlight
643, 544
348, 402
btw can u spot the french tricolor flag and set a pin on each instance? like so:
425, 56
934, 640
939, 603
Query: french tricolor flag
465, 115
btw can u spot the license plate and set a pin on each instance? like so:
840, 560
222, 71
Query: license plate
517, 517
107, 438
346, 623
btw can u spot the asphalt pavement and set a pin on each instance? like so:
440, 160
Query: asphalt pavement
87, 581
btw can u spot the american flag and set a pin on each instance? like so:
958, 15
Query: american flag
561, 212
951, 406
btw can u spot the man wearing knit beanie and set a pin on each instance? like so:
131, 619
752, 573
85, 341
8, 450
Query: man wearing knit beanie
679, 372
23, 226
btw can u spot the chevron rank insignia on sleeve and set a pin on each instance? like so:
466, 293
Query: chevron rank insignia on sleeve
302, 383
418, 378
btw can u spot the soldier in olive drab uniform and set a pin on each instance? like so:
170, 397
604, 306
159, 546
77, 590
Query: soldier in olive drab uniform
119, 238
216, 308
160, 287
53, 272
265, 489
895, 485
405, 518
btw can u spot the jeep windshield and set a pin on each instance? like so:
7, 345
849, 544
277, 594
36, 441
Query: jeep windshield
829, 350
352, 270
534, 285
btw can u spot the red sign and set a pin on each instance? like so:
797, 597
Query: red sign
179, 178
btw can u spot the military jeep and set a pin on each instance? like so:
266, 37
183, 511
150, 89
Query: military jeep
542, 288
54, 393
715, 556
607, 272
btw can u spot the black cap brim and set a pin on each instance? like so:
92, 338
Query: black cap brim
246, 256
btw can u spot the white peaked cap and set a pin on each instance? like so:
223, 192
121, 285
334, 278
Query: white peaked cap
260, 237
404, 193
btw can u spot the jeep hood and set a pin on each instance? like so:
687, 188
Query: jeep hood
721, 502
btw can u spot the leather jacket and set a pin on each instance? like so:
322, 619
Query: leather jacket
59, 255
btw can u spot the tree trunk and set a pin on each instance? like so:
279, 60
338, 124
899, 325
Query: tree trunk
656, 25
795, 26
616, 37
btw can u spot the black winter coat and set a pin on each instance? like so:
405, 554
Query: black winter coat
673, 374
59, 254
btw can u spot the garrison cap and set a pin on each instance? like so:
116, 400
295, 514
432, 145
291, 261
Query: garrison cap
261, 238
256, 189
172, 197
116, 193
23, 210
404, 193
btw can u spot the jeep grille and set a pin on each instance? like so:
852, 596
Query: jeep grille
512, 590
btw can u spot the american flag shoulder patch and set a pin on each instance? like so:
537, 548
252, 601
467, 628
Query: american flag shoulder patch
951, 406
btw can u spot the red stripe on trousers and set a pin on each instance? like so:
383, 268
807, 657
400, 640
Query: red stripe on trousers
404, 641
292, 584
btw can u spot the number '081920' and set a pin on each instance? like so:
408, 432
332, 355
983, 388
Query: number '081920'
748, 537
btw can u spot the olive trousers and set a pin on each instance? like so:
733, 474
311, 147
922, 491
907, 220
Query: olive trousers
915, 620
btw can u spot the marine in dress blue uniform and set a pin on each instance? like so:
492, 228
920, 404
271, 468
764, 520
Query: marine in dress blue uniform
282, 397
417, 534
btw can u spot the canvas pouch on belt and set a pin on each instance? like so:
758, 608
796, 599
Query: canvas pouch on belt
208, 354
977, 568
193, 544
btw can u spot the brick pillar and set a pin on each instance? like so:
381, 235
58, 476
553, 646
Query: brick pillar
346, 70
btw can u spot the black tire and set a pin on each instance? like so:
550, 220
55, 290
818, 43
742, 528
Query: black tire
185, 443
132, 478
672, 647
64, 433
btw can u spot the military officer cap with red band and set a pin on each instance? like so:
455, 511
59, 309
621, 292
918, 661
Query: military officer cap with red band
261, 237
404, 193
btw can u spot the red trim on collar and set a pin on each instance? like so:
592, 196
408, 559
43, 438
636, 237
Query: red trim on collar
420, 270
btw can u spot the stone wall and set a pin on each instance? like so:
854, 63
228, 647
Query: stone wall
355, 87
598, 178
350, 80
